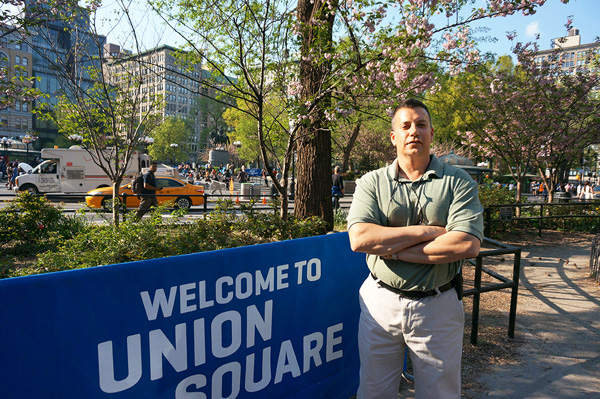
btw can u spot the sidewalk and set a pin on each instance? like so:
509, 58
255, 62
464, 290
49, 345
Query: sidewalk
558, 318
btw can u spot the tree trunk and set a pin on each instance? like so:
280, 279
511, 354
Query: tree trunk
115, 203
518, 197
313, 196
350, 146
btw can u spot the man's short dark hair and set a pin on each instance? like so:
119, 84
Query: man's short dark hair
411, 103
153, 163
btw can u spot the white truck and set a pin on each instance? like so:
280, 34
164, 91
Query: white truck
72, 170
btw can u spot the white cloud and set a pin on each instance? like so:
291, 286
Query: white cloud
533, 29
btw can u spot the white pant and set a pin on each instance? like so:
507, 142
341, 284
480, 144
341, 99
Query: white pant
431, 327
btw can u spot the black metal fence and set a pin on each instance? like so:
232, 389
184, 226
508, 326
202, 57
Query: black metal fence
504, 282
538, 213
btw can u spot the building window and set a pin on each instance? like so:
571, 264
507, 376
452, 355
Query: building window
17, 59
25, 61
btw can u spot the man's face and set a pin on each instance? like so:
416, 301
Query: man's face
153, 168
412, 132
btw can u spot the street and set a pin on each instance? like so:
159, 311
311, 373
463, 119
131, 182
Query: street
72, 203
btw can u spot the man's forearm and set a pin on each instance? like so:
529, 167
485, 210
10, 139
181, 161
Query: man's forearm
382, 240
450, 247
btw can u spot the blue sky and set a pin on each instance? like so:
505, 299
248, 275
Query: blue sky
549, 21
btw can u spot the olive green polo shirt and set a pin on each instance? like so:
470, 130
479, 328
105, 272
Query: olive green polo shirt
444, 196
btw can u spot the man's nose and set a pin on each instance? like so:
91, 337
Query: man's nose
413, 131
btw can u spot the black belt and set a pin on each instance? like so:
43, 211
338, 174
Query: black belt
416, 294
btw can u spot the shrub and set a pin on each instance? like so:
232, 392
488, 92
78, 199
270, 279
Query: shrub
31, 221
227, 227
340, 219
496, 195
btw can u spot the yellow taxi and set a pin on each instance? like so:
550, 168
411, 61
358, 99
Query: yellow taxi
184, 195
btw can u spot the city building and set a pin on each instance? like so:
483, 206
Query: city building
63, 51
179, 87
569, 54
15, 119
57, 53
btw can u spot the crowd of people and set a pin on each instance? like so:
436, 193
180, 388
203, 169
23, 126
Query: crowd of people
223, 173
10, 170
583, 190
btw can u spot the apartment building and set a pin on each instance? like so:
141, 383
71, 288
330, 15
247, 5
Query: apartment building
163, 77
16, 61
63, 53
569, 54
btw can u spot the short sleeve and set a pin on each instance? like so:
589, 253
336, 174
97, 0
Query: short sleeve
365, 206
465, 213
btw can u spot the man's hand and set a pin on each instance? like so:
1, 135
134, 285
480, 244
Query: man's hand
384, 241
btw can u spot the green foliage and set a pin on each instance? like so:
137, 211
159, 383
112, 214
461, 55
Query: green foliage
495, 195
340, 219
30, 223
229, 226
171, 131
274, 134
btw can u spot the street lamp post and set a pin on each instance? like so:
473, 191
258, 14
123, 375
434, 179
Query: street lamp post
75, 138
237, 144
146, 141
28, 139
174, 147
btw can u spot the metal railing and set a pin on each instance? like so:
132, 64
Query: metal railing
238, 198
506, 213
504, 282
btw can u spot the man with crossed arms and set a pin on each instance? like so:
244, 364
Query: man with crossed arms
416, 220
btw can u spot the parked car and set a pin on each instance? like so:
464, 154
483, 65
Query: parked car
597, 191
185, 195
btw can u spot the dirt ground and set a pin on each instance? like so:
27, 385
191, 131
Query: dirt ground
554, 286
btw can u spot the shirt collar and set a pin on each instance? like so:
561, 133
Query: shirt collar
435, 169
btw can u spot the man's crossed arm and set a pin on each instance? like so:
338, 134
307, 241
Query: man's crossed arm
417, 244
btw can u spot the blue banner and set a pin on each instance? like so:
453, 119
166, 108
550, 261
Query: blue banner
267, 321
254, 172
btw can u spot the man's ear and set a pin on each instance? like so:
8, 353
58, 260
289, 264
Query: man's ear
393, 137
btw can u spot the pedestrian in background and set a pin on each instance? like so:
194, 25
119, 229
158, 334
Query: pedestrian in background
242, 176
337, 188
148, 192
2, 168
13, 175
